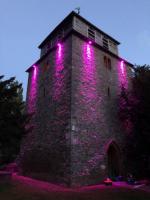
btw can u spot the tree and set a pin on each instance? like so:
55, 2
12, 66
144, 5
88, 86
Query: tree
12, 119
134, 112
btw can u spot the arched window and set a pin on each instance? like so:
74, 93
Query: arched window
114, 160
45, 66
44, 92
108, 91
105, 61
109, 63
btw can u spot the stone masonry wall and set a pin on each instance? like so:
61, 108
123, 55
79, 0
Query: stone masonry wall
94, 120
45, 151
73, 98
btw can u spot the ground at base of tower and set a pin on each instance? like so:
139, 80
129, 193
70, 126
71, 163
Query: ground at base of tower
24, 188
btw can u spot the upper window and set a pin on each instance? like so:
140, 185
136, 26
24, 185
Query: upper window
107, 62
108, 91
91, 33
45, 66
105, 42
44, 92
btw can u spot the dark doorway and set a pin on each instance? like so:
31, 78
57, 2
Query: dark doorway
113, 153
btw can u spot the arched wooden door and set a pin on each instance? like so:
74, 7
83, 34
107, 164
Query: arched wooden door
113, 154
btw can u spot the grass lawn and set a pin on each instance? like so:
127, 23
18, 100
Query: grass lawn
26, 190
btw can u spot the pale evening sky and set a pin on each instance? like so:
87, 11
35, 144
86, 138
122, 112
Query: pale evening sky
25, 24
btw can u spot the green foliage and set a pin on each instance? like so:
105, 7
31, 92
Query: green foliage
12, 119
134, 113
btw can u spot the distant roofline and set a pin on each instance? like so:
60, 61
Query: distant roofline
73, 13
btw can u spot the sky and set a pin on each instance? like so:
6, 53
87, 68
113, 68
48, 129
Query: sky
24, 24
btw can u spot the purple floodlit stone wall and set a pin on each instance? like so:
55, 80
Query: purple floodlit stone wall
46, 149
74, 115
94, 120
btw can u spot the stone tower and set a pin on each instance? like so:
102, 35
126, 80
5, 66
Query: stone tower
75, 136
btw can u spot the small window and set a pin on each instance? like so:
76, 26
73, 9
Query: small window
105, 43
109, 63
105, 61
45, 66
44, 92
108, 91
91, 33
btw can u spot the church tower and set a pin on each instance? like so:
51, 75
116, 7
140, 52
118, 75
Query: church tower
75, 138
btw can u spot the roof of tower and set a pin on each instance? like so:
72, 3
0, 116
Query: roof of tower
70, 16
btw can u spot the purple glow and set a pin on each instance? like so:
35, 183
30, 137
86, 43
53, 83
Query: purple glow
122, 73
90, 42
58, 74
32, 93
34, 71
122, 66
59, 50
88, 91
40, 186
88, 51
